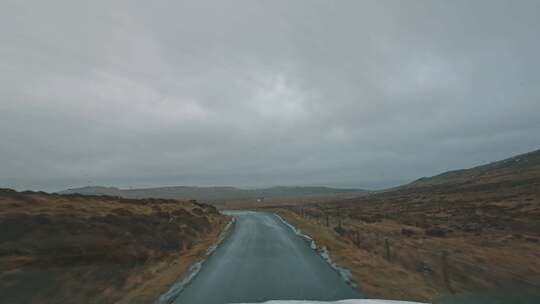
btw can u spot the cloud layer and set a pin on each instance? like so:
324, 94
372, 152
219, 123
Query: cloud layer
258, 93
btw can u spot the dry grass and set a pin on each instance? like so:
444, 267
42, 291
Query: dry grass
145, 286
80, 249
374, 275
490, 242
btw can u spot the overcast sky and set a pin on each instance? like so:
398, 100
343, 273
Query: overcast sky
260, 93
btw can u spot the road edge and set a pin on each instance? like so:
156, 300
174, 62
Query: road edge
344, 273
174, 291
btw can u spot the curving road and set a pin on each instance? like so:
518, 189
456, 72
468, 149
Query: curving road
264, 260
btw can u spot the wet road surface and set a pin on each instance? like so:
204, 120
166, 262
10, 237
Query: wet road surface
263, 260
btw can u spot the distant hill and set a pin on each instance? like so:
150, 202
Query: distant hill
210, 193
515, 169
94, 190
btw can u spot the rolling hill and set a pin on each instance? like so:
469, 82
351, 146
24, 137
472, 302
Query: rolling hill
210, 194
522, 167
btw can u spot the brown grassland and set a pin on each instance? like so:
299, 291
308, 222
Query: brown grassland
98, 249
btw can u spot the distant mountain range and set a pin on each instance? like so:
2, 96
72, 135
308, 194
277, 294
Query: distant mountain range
210, 193
515, 170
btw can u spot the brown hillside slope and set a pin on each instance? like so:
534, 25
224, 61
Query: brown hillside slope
474, 230
520, 168
97, 249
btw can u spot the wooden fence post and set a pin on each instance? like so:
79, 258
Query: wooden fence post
444, 266
387, 245
327, 220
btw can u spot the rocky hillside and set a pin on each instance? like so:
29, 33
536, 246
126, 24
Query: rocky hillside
92, 249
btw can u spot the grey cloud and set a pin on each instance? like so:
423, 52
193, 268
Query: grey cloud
258, 93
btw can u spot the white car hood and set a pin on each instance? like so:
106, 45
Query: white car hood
363, 301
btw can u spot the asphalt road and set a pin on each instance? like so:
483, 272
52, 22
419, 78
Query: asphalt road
264, 260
